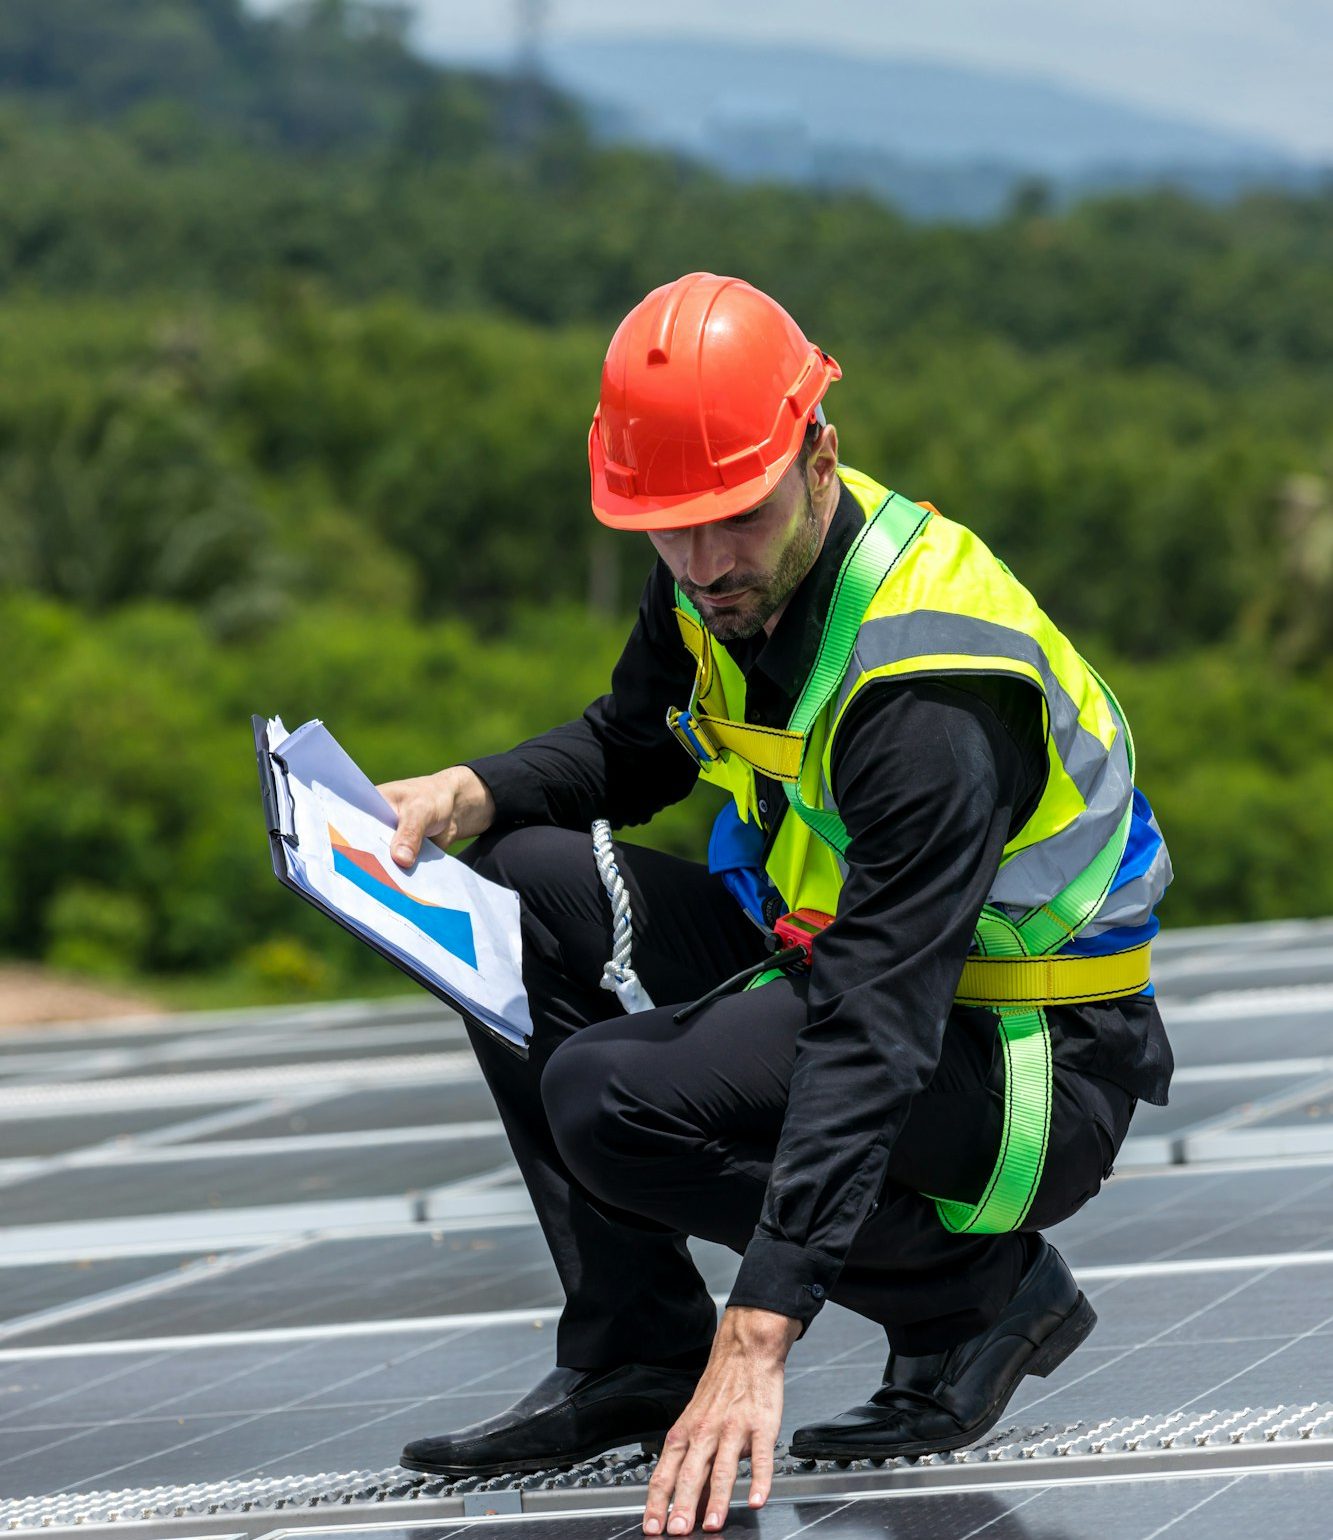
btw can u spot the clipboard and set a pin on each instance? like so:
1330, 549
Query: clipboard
280, 840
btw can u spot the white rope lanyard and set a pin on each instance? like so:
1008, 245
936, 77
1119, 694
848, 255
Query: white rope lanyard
619, 974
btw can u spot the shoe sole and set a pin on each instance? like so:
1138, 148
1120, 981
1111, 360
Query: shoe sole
649, 1449
1071, 1332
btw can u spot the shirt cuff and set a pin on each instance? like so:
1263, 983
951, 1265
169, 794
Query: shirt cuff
777, 1275
514, 785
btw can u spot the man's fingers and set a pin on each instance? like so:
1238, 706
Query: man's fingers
407, 838
761, 1468
690, 1483
423, 808
662, 1481
722, 1485
408, 833
415, 819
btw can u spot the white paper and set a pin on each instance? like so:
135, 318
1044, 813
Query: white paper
313, 754
454, 927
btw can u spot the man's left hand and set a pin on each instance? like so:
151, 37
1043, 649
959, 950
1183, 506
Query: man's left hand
736, 1410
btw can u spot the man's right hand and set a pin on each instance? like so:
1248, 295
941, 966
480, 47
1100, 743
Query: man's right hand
452, 804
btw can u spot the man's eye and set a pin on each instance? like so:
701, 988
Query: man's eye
745, 518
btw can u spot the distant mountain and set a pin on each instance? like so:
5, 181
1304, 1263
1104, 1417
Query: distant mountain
939, 140
334, 77
686, 92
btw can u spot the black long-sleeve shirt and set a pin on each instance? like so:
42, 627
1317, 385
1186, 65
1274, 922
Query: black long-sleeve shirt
931, 777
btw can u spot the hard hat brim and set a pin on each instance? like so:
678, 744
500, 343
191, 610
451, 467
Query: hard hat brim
651, 513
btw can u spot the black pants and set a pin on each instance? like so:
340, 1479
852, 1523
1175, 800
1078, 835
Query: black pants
632, 1132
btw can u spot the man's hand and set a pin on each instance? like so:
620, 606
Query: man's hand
736, 1410
452, 804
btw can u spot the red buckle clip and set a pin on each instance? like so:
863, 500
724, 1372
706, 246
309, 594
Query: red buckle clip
800, 927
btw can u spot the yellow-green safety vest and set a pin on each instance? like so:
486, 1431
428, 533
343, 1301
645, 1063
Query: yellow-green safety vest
919, 595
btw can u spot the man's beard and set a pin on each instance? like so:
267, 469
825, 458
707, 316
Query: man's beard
738, 622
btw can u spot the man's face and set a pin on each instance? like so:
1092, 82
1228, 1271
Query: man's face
740, 572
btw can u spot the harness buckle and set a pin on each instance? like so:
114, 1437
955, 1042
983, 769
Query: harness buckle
693, 736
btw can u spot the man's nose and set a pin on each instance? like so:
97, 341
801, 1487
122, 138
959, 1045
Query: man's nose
709, 557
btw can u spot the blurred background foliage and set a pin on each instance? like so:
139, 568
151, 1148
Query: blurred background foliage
300, 342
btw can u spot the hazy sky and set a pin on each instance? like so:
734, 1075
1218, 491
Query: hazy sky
1263, 66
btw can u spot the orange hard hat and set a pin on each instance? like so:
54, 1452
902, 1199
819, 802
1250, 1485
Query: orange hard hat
706, 392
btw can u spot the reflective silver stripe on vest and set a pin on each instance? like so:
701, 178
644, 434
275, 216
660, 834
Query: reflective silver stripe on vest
1102, 776
1134, 901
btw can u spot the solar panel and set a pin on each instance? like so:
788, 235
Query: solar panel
249, 1256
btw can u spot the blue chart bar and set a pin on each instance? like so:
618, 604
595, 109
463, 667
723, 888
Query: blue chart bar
450, 928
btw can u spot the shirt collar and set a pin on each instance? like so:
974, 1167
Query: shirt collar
787, 656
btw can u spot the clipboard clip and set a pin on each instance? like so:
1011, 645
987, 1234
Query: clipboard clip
268, 786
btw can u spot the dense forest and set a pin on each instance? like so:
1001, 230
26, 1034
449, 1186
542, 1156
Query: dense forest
300, 342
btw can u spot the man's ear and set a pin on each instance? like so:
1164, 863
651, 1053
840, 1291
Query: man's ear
822, 467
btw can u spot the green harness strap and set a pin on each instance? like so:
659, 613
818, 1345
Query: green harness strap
1023, 1031
879, 545
1025, 1040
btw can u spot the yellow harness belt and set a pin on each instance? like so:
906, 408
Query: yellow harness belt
773, 751
1019, 983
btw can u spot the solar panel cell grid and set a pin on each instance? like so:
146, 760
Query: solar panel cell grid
305, 1351
405, 1107
195, 1182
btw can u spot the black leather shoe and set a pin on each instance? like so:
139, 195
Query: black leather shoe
947, 1400
569, 1416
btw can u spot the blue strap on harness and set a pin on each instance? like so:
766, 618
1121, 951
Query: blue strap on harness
1141, 850
736, 854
